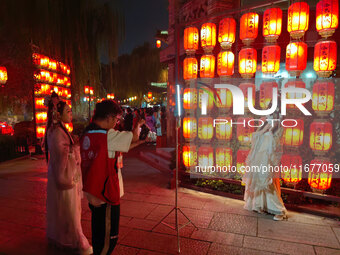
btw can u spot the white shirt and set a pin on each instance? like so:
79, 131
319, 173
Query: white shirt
116, 141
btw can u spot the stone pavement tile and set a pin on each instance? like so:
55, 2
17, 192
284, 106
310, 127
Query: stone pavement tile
190, 201
146, 252
164, 243
233, 223
297, 233
337, 232
184, 232
218, 237
159, 212
124, 220
311, 219
28, 218
10, 231
162, 200
326, 251
123, 232
125, 250
135, 197
219, 249
283, 247
23, 204
136, 209
141, 224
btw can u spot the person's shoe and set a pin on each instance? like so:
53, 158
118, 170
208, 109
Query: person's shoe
280, 217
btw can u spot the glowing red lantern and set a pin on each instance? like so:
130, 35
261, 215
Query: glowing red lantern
296, 58
39, 103
320, 136
298, 19
293, 135
158, 43
189, 155
249, 25
191, 38
41, 117
40, 132
327, 17
244, 130
205, 156
245, 87
320, 175
226, 32
266, 93
149, 95
247, 59
87, 90
271, 59
190, 99
207, 66
323, 97
291, 168
223, 128
3, 75
225, 63
208, 36
190, 68
325, 56
69, 127
205, 128
223, 156
294, 95
272, 24
225, 99
189, 128
208, 94
241, 158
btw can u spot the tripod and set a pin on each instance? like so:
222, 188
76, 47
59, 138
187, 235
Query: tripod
176, 208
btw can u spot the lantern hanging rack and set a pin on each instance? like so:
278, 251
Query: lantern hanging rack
230, 12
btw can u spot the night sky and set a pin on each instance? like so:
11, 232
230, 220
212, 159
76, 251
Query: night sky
142, 19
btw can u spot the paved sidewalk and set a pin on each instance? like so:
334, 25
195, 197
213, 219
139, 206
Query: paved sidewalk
224, 226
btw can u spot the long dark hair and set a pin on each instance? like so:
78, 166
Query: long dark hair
60, 109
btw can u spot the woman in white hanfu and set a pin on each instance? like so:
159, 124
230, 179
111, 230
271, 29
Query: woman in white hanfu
262, 188
64, 186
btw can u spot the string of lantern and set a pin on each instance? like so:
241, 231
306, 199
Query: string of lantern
200, 128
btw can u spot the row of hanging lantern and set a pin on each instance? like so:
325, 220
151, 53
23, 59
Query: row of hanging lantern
325, 53
51, 76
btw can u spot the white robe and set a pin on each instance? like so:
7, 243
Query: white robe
262, 188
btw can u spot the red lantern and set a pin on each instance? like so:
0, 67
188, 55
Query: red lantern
3, 75
320, 175
205, 156
296, 58
323, 97
293, 136
69, 127
87, 90
40, 132
224, 157
189, 155
158, 43
249, 25
226, 98
266, 93
190, 99
191, 40
294, 95
298, 19
244, 131
207, 66
272, 24
190, 68
325, 56
208, 36
223, 128
271, 59
320, 136
226, 33
149, 95
39, 103
244, 87
291, 168
207, 93
41, 117
189, 128
225, 63
241, 158
205, 128
247, 59
327, 17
